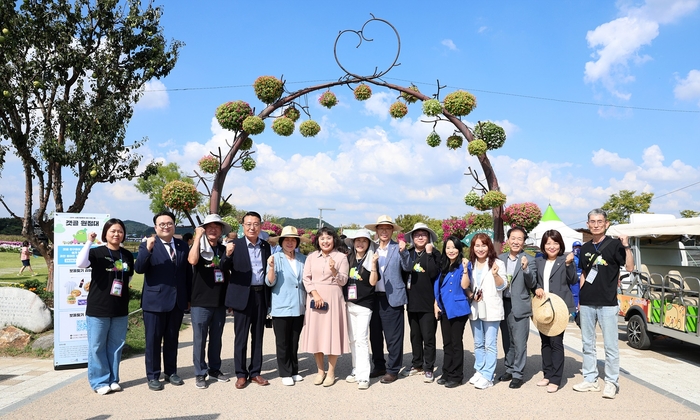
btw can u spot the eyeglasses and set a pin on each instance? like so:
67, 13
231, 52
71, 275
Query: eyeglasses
419, 234
251, 225
165, 225
597, 222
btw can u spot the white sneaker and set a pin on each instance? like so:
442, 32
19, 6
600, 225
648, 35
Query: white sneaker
483, 383
115, 387
288, 381
475, 378
362, 384
610, 391
350, 379
587, 386
297, 378
103, 390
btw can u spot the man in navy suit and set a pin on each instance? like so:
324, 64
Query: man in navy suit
167, 286
249, 298
390, 291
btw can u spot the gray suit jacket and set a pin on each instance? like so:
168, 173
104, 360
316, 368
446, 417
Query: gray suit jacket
523, 281
392, 276
559, 279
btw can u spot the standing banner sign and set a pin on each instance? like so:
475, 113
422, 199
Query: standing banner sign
71, 286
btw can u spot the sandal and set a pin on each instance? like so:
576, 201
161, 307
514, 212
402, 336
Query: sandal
318, 380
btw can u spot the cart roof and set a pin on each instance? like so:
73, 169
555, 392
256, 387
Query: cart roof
658, 229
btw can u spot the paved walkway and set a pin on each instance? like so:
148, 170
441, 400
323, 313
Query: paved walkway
30, 388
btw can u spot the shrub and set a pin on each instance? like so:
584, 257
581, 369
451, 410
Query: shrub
408, 97
472, 199
247, 144
248, 164
180, 195
272, 228
309, 128
494, 199
454, 142
527, 215
460, 103
283, 126
477, 147
209, 164
292, 113
253, 125
268, 89
398, 109
232, 114
493, 134
454, 226
432, 107
328, 99
362, 92
433, 139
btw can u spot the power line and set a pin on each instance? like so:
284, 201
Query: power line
493, 92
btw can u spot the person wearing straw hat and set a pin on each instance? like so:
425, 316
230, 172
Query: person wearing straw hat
285, 275
208, 311
424, 261
555, 272
387, 316
522, 277
359, 298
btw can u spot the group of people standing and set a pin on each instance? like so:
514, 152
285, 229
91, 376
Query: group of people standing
330, 303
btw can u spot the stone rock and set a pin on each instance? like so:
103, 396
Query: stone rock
43, 343
23, 309
13, 337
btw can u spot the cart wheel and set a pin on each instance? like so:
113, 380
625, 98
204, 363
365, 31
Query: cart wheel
637, 335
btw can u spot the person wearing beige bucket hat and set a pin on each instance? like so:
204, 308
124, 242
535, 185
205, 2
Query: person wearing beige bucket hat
285, 275
390, 291
555, 272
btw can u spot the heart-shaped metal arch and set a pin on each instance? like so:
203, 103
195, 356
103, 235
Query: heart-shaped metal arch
360, 34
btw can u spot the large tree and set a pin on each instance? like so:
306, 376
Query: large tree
70, 74
154, 184
619, 206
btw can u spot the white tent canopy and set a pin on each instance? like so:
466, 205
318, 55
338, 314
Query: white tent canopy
550, 220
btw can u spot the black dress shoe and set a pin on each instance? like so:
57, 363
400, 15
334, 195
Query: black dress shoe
515, 383
377, 373
452, 384
441, 381
155, 385
505, 377
388, 378
174, 379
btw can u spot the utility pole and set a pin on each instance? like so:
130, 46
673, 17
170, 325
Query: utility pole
320, 216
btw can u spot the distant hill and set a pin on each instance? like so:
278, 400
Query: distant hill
305, 223
138, 229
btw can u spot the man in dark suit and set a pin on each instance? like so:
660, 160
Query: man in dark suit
167, 286
517, 307
249, 298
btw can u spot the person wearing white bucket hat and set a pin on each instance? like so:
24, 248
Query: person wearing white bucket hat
555, 272
424, 260
285, 275
359, 298
208, 311
390, 291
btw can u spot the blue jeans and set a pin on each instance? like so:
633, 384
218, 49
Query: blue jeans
485, 350
106, 337
207, 321
606, 316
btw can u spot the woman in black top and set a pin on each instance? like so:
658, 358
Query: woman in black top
359, 295
107, 304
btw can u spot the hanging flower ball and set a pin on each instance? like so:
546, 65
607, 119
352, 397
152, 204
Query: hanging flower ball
247, 144
493, 134
477, 147
292, 113
460, 103
283, 126
481, 206
253, 125
232, 114
408, 97
180, 196
362, 92
268, 89
472, 199
493, 199
398, 109
248, 164
432, 107
454, 142
309, 128
527, 215
328, 99
209, 164
433, 139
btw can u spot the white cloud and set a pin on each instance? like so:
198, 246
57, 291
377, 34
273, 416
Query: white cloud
378, 104
617, 43
154, 96
612, 160
688, 89
482, 29
449, 44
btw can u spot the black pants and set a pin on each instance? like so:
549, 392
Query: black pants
505, 331
553, 357
389, 322
162, 327
287, 331
423, 326
453, 347
250, 320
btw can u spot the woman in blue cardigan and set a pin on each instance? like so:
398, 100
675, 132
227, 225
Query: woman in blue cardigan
285, 275
452, 309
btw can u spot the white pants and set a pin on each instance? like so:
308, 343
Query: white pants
358, 329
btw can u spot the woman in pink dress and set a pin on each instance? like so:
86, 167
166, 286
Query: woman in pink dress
24, 256
325, 324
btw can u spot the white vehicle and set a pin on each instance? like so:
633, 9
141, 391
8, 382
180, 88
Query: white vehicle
661, 296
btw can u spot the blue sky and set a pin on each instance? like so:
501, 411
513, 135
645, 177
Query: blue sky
540, 72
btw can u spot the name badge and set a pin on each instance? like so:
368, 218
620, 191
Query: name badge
116, 289
352, 292
591, 274
218, 276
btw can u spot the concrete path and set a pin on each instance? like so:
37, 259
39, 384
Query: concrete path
653, 385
